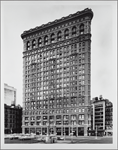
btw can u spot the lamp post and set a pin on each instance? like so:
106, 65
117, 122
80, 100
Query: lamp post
54, 128
41, 129
47, 137
47, 128
72, 134
11, 130
64, 131
96, 132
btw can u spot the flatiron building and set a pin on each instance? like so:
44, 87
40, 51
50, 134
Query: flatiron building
57, 76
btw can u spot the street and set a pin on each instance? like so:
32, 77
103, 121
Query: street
68, 140
102, 140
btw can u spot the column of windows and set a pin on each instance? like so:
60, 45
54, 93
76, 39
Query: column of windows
72, 71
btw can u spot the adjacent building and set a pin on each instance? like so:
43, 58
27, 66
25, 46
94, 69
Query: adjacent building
9, 95
57, 76
12, 113
101, 117
12, 119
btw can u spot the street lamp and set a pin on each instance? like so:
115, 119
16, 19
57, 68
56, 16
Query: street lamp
96, 132
11, 130
72, 134
55, 128
47, 137
48, 129
64, 131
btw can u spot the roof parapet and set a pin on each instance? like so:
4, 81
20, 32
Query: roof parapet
78, 13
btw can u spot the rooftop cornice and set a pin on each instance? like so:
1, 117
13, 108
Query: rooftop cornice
102, 100
71, 16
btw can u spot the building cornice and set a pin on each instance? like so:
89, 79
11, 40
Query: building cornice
57, 21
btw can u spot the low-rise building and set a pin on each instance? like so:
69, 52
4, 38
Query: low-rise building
12, 119
101, 117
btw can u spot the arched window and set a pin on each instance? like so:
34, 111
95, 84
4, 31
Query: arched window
34, 44
66, 34
81, 29
59, 37
39, 42
74, 31
52, 38
46, 40
28, 45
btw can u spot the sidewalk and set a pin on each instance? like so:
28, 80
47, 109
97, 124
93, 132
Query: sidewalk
87, 137
62, 142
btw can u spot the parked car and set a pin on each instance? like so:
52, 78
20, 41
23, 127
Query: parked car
25, 137
53, 139
32, 136
13, 136
7, 136
44, 139
60, 138
40, 139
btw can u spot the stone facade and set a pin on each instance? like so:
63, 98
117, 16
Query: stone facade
57, 76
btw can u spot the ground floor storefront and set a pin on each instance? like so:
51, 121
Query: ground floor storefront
60, 131
108, 132
96, 133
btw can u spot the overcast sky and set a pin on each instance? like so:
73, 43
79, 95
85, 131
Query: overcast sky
17, 17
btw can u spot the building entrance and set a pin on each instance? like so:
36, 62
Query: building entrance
32, 130
38, 131
73, 130
80, 131
58, 131
66, 130
52, 130
44, 131
26, 130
